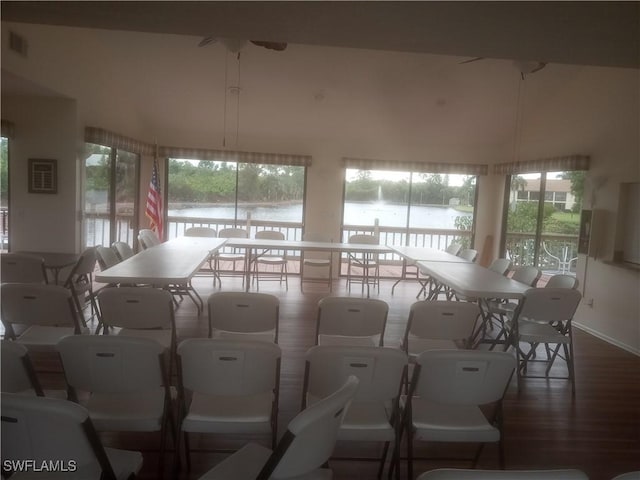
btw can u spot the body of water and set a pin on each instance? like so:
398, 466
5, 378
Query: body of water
355, 213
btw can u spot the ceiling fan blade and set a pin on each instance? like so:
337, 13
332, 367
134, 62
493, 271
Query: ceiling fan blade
207, 40
470, 60
278, 46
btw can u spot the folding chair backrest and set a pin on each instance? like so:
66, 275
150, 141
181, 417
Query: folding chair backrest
41, 429
311, 436
244, 313
111, 363
379, 371
463, 377
17, 374
107, 257
123, 250
229, 367
200, 232
349, 316
136, 308
22, 268
477, 474
364, 238
562, 280
233, 233
454, 248
270, 235
468, 254
528, 275
442, 320
148, 238
500, 265
85, 265
549, 304
33, 304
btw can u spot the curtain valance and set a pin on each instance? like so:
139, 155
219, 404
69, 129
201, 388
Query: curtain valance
555, 164
235, 156
422, 167
104, 137
7, 128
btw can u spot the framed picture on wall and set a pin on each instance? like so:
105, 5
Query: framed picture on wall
43, 175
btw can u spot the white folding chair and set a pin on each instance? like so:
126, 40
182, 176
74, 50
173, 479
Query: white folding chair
208, 233
107, 257
275, 266
373, 415
476, 474
231, 255
351, 321
126, 381
37, 316
453, 248
228, 387
447, 389
316, 261
244, 316
140, 312
123, 250
468, 254
80, 283
303, 450
544, 317
501, 266
148, 238
17, 372
363, 268
439, 325
22, 268
41, 429
562, 280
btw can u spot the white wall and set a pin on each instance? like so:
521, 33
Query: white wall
45, 127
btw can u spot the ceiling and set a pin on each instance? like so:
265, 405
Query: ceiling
580, 33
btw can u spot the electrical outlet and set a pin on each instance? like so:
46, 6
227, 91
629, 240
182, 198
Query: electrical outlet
590, 303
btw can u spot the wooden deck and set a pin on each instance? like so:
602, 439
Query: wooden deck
597, 432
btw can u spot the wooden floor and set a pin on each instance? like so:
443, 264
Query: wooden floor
598, 431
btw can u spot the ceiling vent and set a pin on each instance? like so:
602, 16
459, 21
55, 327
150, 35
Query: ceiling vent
18, 44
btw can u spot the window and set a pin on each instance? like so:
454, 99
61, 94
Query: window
111, 192
220, 194
544, 233
409, 208
4, 193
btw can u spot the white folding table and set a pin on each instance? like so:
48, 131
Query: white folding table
166, 265
256, 247
474, 281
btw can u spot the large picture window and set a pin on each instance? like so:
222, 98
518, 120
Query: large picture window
409, 208
220, 194
110, 195
543, 220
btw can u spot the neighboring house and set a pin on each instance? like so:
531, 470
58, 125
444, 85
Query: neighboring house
557, 193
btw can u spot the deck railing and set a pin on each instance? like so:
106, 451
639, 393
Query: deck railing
558, 252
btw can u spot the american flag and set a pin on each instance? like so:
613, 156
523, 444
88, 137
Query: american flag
154, 202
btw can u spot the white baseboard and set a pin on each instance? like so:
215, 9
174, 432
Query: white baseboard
607, 339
